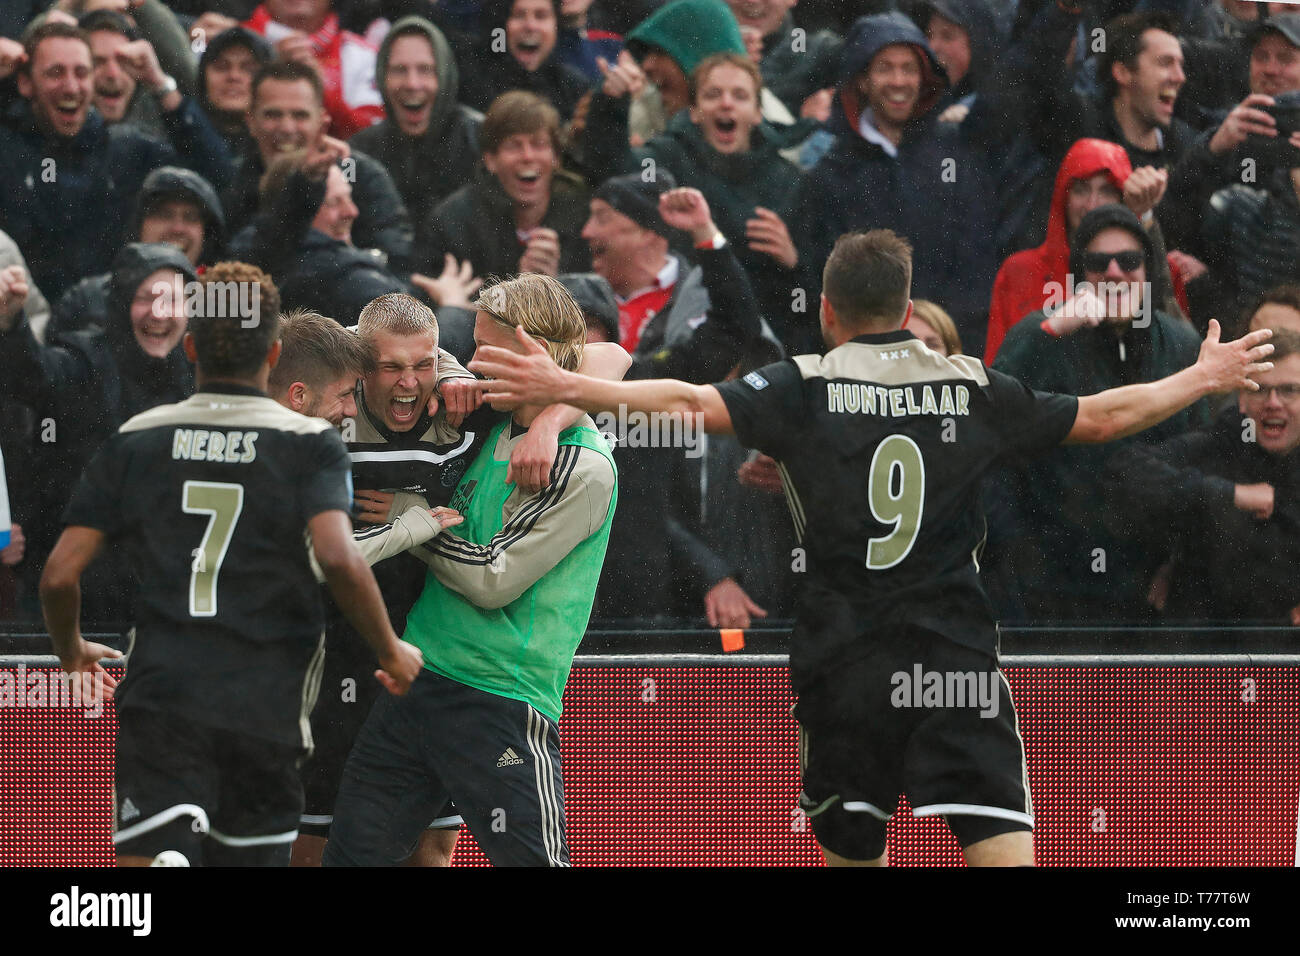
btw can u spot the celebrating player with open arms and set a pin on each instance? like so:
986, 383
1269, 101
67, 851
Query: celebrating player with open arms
212, 498
889, 515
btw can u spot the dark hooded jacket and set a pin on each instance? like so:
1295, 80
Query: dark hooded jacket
489, 73
795, 71
431, 167
1053, 512
383, 222
71, 226
312, 270
977, 18
1181, 491
88, 383
477, 223
937, 191
233, 128
85, 305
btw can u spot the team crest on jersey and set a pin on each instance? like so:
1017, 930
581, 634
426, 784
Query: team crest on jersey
451, 474
756, 381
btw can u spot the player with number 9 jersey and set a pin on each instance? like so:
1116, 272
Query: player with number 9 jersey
881, 444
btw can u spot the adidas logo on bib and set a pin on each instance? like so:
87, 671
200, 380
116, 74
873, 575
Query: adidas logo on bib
509, 758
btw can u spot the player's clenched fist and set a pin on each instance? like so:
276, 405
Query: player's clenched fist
12, 56
399, 667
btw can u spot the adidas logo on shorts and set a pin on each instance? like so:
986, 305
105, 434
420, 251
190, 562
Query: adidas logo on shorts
509, 758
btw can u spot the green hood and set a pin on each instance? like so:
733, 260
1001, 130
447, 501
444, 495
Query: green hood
688, 31
448, 72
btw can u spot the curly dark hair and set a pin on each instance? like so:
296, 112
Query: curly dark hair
236, 320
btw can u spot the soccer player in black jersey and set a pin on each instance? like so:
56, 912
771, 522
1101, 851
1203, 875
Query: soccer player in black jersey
213, 498
881, 445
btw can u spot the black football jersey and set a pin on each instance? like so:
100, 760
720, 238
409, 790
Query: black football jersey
882, 444
427, 460
211, 498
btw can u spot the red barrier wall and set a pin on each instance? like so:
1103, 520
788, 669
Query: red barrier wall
697, 766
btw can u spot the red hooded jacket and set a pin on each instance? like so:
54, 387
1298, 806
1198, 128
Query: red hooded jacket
1021, 285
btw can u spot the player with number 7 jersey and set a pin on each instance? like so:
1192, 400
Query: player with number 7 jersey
212, 499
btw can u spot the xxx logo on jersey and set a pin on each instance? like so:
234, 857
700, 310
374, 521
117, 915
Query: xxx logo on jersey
509, 758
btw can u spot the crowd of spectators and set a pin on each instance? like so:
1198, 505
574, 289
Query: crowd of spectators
1086, 184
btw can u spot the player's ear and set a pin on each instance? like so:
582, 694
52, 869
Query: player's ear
191, 352
907, 316
828, 316
297, 396
273, 354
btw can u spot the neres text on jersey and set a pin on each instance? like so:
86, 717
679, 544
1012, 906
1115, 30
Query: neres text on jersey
200, 444
859, 398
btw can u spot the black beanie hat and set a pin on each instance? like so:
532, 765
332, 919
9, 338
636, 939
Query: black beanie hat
1114, 216
639, 200
1110, 216
595, 297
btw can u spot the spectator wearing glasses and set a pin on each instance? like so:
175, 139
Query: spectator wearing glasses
1226, 498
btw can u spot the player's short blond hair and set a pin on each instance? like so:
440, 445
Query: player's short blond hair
397, 314
545, 309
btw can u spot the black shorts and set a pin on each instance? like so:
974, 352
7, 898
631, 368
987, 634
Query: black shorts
499, 758
348, 690
918, 715
218, 797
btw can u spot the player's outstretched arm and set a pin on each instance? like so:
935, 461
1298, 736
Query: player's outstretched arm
61, 603
1221, 367
534, 379
357, 594
535, 454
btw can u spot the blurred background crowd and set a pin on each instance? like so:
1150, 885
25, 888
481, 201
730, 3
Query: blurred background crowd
1086, 186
